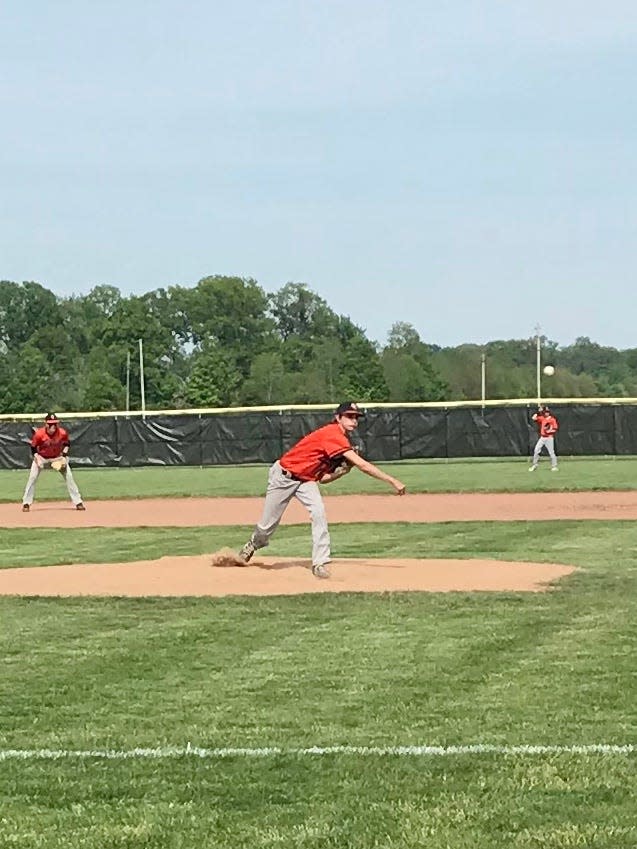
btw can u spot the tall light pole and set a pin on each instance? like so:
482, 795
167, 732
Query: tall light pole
127, 381
141, 378
538, 363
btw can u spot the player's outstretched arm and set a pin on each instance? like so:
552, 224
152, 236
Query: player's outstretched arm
373, 471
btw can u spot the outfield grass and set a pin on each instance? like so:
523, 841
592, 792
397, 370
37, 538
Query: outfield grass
552, 542
427, 476
555, 668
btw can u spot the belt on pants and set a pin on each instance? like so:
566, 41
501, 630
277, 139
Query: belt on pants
290, 475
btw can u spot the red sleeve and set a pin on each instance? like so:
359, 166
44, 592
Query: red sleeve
336, 443
36, 439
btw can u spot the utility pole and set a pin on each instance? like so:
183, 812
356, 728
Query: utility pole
128, 381
141, 378
538, 363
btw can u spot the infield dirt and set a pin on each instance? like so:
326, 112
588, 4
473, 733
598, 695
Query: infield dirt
446, 507
206, 575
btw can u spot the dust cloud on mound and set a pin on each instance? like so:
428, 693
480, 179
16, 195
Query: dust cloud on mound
226, 558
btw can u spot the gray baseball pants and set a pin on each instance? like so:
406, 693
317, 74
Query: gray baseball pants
547, 442
29, 492
280, 491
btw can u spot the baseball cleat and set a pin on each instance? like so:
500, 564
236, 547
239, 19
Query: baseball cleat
320, 571
80, 506
247, 551
25, 508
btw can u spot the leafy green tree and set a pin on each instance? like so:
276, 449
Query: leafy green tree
214, 378
587, 356
512, 353
86, 317
326, 356
304, 323
565, 384
230, 310
403, 336
25, 308
611, 369
362, 376
298, 311
404, 376
26, 381
130, 322
266, 383
405, 346
461, 370
103, 392
297, 353
346, 330
305, 387
59, 349
170, 308
225, 341
328, 367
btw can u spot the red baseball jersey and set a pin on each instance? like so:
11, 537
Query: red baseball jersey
48, 446
547, 424
310, 458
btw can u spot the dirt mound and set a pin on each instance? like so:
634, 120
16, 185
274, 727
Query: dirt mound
222, 574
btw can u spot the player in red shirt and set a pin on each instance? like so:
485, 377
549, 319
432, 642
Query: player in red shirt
547, 427
50, 447
322, 456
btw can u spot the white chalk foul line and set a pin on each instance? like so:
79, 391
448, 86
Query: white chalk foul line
312, 751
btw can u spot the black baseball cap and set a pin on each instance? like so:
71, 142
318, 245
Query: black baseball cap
349, 407
51, 418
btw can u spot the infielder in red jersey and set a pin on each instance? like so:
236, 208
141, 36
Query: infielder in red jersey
50, 447
322, 456
548, 427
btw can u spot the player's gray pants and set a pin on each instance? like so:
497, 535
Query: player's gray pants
279, 493
547, 442
29, 492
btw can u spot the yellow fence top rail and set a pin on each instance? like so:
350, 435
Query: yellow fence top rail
285, 408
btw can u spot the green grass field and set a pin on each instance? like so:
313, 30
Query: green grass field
554, 669
581, 473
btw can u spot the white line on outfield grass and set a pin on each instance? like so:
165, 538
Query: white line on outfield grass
312, 751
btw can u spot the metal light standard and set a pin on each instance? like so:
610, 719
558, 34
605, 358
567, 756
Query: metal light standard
538, 363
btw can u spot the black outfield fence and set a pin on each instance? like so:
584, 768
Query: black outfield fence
386, 433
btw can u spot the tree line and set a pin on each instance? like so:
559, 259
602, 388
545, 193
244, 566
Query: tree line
227, 342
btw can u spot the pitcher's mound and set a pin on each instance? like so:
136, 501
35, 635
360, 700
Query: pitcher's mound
223, 574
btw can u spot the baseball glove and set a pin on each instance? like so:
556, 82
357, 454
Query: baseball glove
339, 466
342, 469
336, 468
59, 464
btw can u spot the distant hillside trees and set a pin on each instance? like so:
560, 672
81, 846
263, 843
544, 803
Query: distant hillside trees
225, 341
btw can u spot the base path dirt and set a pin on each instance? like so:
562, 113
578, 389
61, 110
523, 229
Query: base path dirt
447, 507
221, 576
206, 576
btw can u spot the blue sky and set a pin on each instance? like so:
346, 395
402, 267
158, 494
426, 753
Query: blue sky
468, 167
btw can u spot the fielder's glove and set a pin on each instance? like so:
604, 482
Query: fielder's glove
336, 468
341, 469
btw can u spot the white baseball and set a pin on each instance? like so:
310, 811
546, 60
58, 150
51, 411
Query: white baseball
549, 370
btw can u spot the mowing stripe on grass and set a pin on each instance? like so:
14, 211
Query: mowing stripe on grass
268, 751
